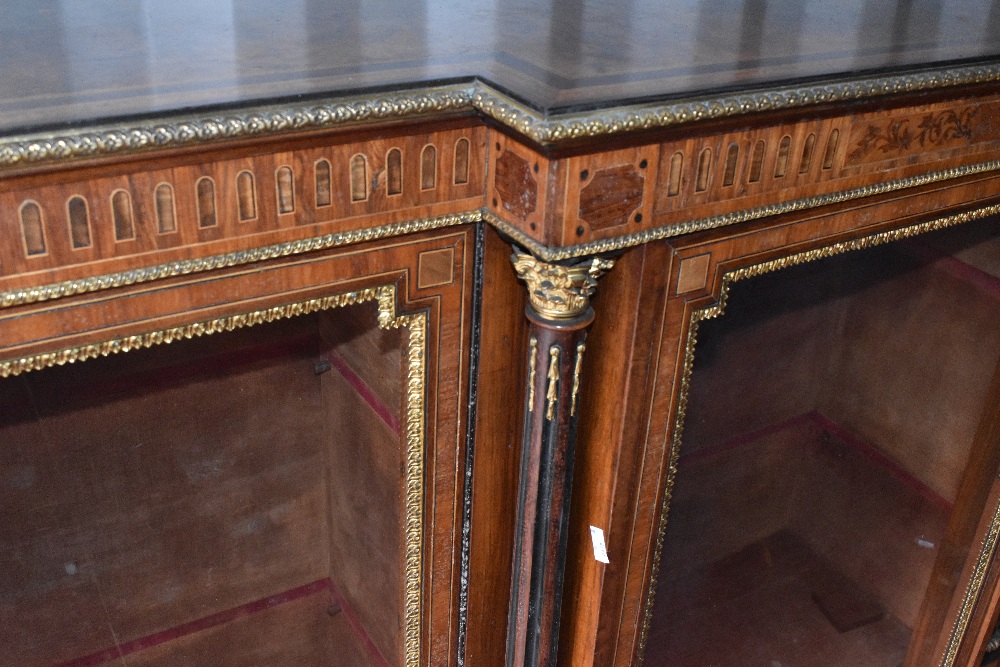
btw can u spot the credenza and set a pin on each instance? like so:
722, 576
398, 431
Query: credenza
505, 334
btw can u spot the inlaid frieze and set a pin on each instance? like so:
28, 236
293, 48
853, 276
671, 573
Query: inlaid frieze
297, 193
874, 140
109, 220
700, 181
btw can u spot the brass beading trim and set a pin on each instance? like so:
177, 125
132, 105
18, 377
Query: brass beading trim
256, 122
17, 297
668, 489
653, 115
416, 383
715, 310
972, 592
414, 426
185, 130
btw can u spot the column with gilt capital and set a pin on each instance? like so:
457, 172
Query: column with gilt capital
559, 314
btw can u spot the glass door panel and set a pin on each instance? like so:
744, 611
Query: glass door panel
232, 499
830, 479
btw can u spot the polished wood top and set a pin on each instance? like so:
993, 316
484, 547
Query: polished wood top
67, 63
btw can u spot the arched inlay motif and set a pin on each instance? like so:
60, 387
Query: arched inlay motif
359, 178
394, 171
165, 219
676, 173
286, 190
704, 170
461, 161
807, 154
756, 163
206, 202
324, 189
781, 161
246, 196
32, 229
831, 149
732, 156
121, 213
79, 221
428, 167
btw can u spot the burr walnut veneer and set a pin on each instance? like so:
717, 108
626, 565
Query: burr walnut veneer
339, 335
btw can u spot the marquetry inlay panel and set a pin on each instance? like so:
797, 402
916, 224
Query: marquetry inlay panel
609, 192
693, 273
519, 185
700, 177
435, 268
337, 185
696, 181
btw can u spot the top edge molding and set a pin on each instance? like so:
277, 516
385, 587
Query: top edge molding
200, 128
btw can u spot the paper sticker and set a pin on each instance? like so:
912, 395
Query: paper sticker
600, 550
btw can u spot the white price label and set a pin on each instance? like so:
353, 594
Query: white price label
600, 549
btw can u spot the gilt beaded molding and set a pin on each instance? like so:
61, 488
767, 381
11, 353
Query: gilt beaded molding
51, 291
179, 131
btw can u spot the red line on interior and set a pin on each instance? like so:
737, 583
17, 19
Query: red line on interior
745, 439
868, 450
364, 391
955, 267
359, 629
200, 624
850, 439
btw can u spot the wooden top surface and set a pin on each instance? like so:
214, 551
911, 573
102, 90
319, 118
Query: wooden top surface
85, 61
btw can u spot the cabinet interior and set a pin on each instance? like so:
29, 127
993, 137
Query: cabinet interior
235, 499
833, 409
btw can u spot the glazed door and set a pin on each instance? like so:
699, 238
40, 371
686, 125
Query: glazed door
834, 501
258, 465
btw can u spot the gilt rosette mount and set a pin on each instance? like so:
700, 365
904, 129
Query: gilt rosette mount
556, 291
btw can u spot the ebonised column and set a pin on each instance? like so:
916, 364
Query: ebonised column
558, 313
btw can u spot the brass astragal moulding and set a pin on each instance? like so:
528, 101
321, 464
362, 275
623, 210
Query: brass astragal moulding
67, 288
